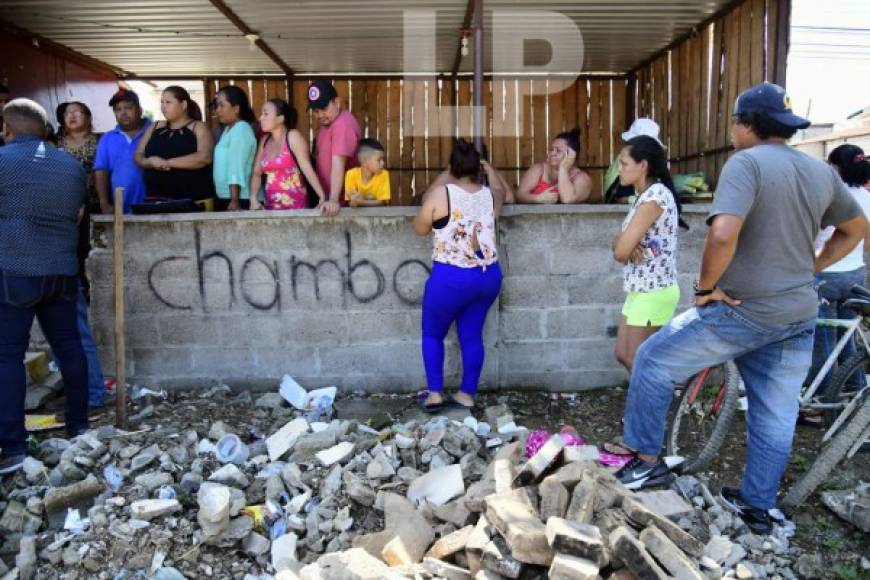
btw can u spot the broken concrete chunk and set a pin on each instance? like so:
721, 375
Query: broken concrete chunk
444, 570
353, 564
284, 551
554, 498
575, 539
60, 498
337, 454
566, 567
642, 516
541, 462
281, 441
666, 503
635, 557
148, 509
438, 486
229, 474
514, 516
214, 508
581, 453
409, 545
255, 544
450, 544
669, 555
582, 506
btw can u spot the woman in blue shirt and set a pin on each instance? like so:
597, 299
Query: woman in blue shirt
234, 152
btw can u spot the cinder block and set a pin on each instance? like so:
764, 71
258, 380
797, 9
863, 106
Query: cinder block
161, 362
521, 324
583, 322
219, 362
533, 292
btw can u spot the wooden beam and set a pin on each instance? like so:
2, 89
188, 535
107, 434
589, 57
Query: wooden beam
61, 50
466, 24
783, 38
695, 30
246, 30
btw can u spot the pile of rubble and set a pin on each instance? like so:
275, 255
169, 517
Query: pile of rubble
322, 499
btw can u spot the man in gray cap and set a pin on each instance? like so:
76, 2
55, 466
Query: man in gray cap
754, 300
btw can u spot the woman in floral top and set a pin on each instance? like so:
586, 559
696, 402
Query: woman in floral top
647, 246
283, 158
77, 137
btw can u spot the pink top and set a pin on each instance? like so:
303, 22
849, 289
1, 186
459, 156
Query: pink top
542, 187
284, 186
341, 137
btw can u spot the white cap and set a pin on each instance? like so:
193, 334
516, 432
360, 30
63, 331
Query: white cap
643, 126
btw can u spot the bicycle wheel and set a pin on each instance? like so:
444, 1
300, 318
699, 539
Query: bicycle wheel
829, 457
857, 363
703, 416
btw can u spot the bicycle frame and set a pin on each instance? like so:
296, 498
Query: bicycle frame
851, 327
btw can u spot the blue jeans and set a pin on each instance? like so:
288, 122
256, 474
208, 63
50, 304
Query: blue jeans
835, 290
773, 363
464, 296
96, 387
52, 300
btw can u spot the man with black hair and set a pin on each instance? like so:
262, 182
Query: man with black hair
42, 198
755, 302
4, 98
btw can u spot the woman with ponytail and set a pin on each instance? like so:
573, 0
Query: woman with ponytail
558, 179
234, 152
647, 246
836, 281
465, 278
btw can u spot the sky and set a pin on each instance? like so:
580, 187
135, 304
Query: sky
829, 60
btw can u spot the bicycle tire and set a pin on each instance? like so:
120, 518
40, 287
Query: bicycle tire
839, 380
731, 385
828, 457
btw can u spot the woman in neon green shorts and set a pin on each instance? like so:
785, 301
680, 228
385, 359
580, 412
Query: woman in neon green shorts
647, 246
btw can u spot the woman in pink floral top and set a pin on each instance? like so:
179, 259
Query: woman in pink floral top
283, 158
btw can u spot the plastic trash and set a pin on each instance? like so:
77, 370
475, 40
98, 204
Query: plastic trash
258, 514
166, 492
537, 439
293, 392
274, 468
139, 392
321, 409
205, 446
74, 522
278, 529
230, 449
114, 478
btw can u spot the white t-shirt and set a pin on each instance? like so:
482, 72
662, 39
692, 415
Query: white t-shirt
659, 270
854, 259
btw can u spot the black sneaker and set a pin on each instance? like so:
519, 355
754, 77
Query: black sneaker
756, 519
10, 463
638, 474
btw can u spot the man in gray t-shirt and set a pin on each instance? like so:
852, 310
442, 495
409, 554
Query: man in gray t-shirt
754, 300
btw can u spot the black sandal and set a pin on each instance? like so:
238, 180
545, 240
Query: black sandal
430, 408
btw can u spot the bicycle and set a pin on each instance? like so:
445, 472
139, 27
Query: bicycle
707, 403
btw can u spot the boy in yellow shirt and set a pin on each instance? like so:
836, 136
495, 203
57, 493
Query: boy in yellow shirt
368, 184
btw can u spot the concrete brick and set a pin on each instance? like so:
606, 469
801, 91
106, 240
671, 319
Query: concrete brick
554, 498
583, 501
367, 327
534, 291
161, 362
671, 557
521, 324
589, 322
632, 553
293, 360
575, 539
524, 261
574, 260
589, 289
642, 516
192, 330
219, 362
515, 518
570, 568
541, 462
589, 354
522, 356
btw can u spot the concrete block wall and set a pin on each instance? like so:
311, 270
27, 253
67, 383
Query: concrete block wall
246, 298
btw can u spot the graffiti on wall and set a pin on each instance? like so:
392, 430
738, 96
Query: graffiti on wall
361, 280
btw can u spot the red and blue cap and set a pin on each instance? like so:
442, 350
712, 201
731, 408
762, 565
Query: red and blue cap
772, 100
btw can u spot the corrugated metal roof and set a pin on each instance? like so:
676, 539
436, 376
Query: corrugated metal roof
191, 37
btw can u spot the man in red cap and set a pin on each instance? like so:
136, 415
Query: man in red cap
337, 141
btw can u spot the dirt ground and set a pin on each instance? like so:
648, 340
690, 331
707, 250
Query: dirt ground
596, 416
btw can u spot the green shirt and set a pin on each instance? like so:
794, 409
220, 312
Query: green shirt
234, 159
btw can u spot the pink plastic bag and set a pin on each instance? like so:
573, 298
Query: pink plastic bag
537, 439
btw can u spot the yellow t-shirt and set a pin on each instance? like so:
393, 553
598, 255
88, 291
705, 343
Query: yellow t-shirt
378, 187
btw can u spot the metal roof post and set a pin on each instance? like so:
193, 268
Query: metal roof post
477, 27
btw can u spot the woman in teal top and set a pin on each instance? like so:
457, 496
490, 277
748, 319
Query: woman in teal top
234, 152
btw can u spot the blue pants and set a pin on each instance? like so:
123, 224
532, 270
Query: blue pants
772, 361
96, 387
52, 300
835, 290
463, 295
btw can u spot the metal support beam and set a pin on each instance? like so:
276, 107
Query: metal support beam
246, 30
782, 40
466, 24
477, 28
